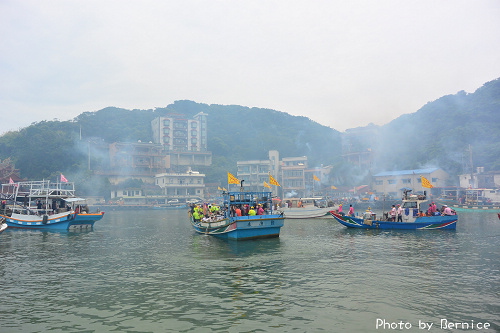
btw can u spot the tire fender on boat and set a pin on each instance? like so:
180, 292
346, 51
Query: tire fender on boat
45, 219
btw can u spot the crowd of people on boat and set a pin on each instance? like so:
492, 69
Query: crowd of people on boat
212, 213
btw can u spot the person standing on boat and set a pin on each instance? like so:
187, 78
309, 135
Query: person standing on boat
237, 211
447, 210
351, 211
400, 213
260, 210
393, 213
434, 208
251, 212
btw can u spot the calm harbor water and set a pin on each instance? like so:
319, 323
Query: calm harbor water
147, 271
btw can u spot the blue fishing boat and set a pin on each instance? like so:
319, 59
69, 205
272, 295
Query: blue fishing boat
46, 206
228, 224
412, 219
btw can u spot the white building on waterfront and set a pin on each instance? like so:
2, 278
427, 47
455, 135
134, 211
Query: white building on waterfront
182, 186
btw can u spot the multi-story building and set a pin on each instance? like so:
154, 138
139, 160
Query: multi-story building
256, 172
182, 186
293, 176
176, 133
136, 160
184, 140
395, 182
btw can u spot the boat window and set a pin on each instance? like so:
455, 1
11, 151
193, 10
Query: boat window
410, 204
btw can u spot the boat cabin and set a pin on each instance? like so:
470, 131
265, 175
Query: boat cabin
301, 202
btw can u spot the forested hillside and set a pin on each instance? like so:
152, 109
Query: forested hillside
436, 135
440, 133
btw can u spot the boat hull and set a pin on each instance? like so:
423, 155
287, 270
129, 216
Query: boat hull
62, 221
421, 223
242, 227
305, 212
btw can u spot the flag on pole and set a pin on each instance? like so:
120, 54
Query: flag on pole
232, 179
267, 185
316, 178
273, 181
426, 182
224, 189
219, 188
11, 182
333, 187
63, 179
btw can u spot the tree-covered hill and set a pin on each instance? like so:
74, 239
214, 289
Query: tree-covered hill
441, 131
438, 134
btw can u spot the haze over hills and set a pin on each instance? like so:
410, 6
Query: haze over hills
438, 134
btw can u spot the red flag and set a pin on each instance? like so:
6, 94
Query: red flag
63, 179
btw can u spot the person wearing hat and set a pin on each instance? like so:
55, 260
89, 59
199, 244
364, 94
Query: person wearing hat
400, 213
260, 210
251, 212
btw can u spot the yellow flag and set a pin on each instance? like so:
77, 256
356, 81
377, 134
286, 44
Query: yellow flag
316, 178
273, 181
224, 189
267, 185
333, 187
219, 188
232, 179
426, 182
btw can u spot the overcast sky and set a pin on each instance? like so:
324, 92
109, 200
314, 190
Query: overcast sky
342, 63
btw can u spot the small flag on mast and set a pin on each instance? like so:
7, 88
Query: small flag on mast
316, 178
266, 185
426, 182
232, 179
63, 179
273, 181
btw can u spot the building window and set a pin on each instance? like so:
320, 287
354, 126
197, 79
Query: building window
166, 122
194, 124
166, 131
406, 181
379, 182
194, 132
434, 180
391, 181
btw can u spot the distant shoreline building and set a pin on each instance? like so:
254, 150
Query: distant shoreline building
395, 182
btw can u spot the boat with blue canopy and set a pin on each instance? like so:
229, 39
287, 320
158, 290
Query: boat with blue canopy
229, 223
412, 219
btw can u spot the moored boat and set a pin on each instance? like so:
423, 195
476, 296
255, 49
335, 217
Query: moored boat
44, 205
303, 208
412, 218
227, 224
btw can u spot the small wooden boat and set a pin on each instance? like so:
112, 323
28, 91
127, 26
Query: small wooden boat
412, 218
46, 206
228, 225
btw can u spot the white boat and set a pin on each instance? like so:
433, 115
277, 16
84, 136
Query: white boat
304, 208
46, 206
